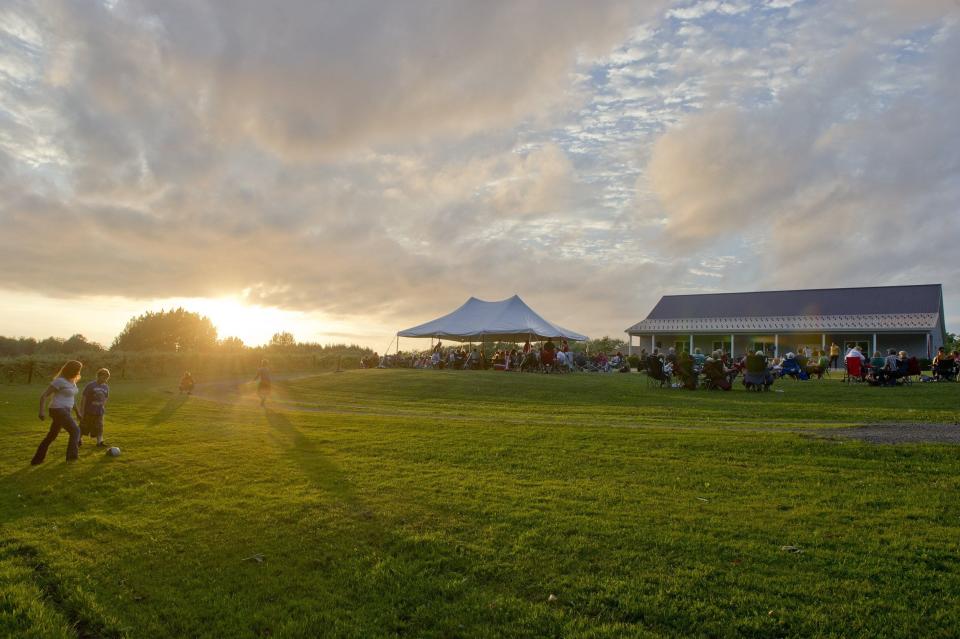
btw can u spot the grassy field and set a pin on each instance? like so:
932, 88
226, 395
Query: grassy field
435, 504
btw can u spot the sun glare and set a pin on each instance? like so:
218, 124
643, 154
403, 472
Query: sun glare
253, 324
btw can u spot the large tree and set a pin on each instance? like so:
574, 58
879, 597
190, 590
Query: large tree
174, 330
282, 340
78, 343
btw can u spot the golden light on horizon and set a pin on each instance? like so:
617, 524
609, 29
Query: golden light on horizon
252, 323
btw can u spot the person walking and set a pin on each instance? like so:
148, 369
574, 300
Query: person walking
265, 382
63, 391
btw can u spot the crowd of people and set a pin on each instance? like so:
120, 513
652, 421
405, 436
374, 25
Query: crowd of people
719, 369
759, 370
547, 357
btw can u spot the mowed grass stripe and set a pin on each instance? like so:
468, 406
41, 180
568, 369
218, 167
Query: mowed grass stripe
646, 512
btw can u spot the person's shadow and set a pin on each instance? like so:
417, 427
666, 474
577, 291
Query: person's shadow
323, 473
167, 410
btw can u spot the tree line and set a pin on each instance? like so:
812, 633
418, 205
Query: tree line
174, 331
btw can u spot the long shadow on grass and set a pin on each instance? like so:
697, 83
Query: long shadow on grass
167, 410
324, 474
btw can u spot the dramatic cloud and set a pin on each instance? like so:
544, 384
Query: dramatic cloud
847, 176
390, 159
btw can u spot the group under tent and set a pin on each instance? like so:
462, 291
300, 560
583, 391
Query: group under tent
509, 320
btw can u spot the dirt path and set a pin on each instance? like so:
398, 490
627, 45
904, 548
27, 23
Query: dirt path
898, 433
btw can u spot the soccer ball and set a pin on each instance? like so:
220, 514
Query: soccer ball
113, 451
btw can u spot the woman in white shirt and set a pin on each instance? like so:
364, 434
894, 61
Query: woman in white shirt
63, 390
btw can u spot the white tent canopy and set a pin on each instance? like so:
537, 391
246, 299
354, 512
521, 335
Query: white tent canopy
477, 320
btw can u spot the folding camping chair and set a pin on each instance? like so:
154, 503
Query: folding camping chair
655, 372
854, 370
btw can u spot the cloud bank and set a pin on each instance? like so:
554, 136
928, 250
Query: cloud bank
367, 158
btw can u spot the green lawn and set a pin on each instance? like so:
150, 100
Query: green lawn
439, 504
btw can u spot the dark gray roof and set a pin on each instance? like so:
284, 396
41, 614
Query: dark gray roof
876, 300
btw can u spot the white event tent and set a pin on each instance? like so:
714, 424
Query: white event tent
478, 320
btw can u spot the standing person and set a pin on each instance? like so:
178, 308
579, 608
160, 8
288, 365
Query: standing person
63, 390
834, 355
263, 388
93, 403
567, 356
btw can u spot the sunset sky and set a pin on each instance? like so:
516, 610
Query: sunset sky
342, 170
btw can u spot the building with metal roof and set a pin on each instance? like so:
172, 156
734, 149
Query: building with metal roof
875, 318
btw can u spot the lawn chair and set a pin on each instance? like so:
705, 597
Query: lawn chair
685, 372
855, 370
655, 373
715, 377
793, 368
946, 370
913, 371
756, 374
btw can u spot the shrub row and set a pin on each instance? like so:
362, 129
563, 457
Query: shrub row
39, 369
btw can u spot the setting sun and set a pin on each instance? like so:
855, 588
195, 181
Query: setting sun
253, 324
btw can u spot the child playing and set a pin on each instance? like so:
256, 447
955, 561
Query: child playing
186, 383
63, 390
93, 404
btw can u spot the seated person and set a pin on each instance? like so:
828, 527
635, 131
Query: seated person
530, 362
946, 369
757, 373
730, 371
671, 357
560, 360
716, 374
876, 364
186, 383
890, 372
791, 367
655, 370
698, 357
548, 355
623, 364
818, 365
685, 372
940, 356
580, 360
602, 362
855, 352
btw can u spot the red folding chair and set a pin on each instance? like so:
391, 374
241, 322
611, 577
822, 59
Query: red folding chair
854, 370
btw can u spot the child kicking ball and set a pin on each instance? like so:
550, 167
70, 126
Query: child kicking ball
93, 406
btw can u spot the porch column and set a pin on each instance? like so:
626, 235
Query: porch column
732, 351
653, 343
629, 344
823, 342
874, 344
691, 344
776, 345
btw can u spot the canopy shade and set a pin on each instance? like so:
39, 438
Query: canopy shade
508, 319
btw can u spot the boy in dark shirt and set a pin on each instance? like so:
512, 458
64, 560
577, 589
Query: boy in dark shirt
93, 406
